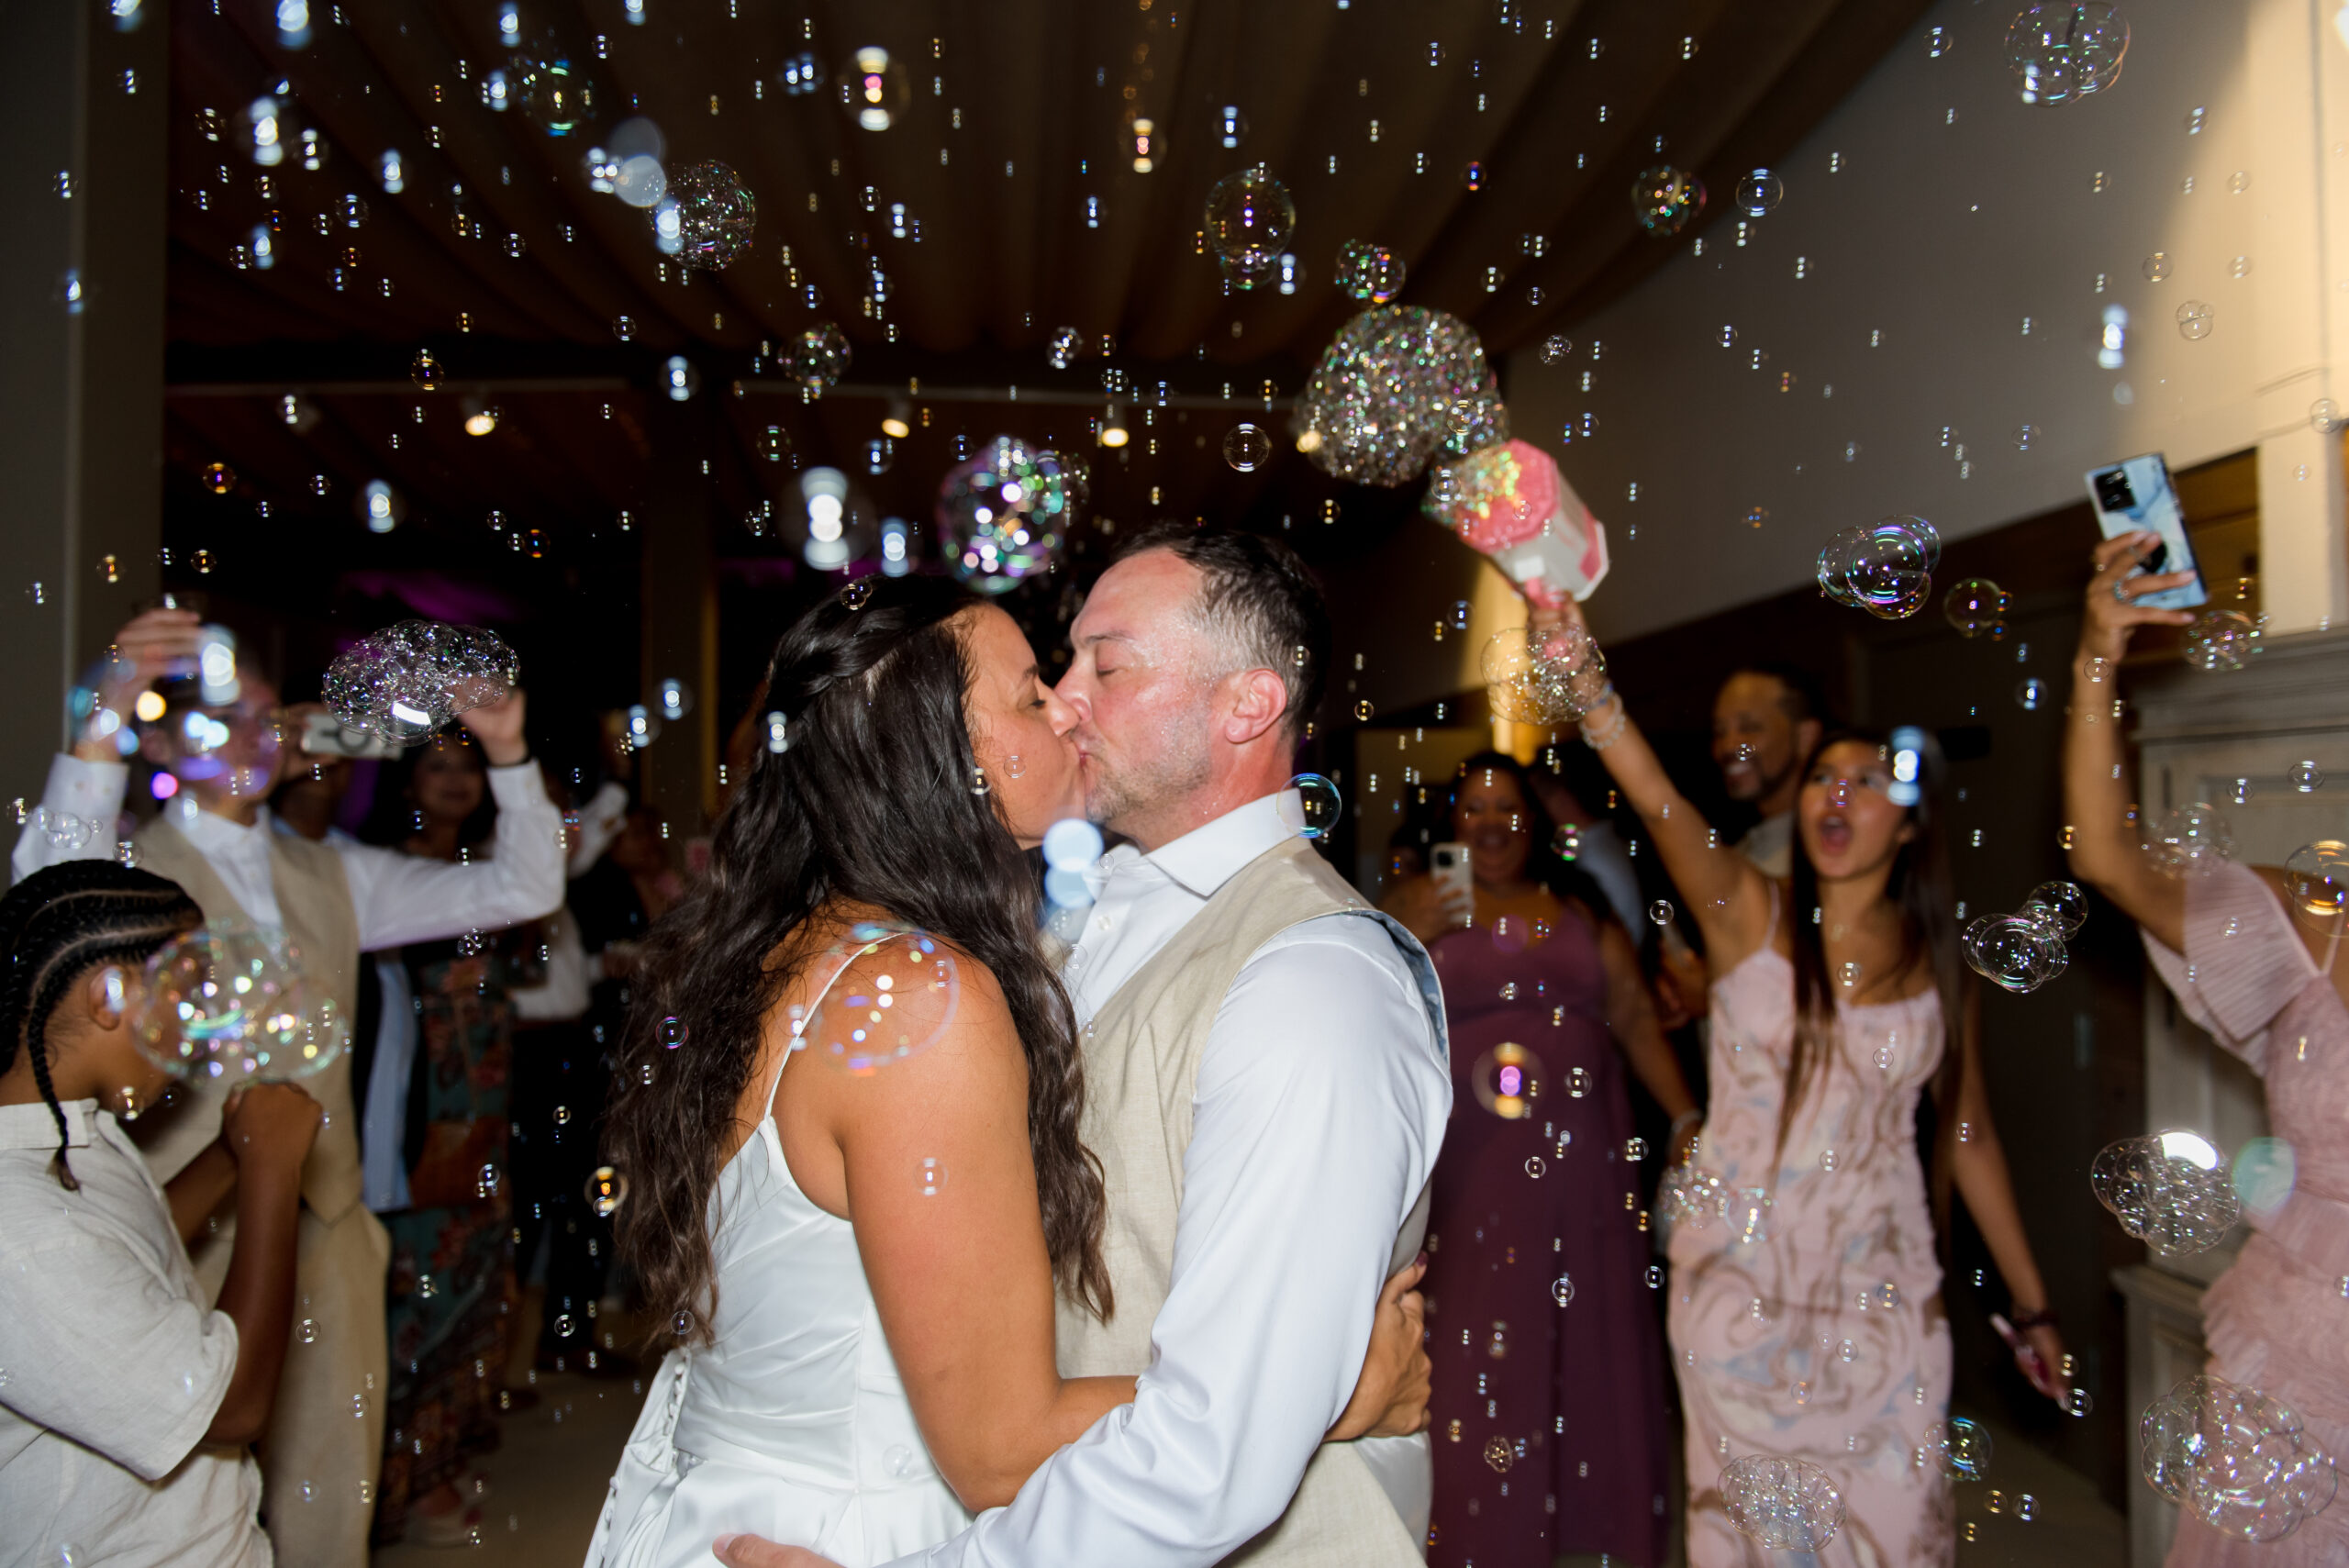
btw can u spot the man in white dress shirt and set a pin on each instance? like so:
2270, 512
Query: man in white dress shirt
1316, 1108
214, 838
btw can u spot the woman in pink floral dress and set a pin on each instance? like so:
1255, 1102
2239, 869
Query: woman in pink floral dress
1806, 1318
2248, 965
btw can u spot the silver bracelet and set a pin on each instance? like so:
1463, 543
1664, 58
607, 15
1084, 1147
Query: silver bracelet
1597, 743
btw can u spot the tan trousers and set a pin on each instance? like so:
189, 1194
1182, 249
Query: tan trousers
326, 1436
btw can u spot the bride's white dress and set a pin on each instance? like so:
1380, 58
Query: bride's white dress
793, 1423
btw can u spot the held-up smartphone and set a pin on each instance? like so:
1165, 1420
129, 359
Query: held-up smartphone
2136, 494
1448, 863
323, 735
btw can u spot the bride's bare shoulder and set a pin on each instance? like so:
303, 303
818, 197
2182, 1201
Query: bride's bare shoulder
871, 990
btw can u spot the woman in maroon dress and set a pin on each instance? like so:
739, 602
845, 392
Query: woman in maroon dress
1552, 1416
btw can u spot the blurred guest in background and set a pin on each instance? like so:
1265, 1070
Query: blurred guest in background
1806, 1314
2253, 963
1766, 722
216, 839
1533, 1205
450, 1285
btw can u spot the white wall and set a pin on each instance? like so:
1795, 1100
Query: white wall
1921, 259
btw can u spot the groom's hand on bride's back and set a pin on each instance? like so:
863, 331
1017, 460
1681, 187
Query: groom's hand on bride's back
751, 1552
1390, 1399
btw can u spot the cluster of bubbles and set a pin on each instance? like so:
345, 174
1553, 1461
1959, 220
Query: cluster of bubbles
1552, 676
1977, 607
2236, 1459
1001, 515
1372, 274
706, 216
1664, 198
229, 1001
2024, 951
1885, 568
1248, 222
1315, 811
860, 1028
1692, 1197
2061, 53
2170, 1190
408, 680
2188, 840
2220, 642
1782, 1505
1398, 388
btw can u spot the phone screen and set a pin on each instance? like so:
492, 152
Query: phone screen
2136, 494
1448, 862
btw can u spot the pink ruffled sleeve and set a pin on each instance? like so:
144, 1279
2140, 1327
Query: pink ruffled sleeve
2242, 963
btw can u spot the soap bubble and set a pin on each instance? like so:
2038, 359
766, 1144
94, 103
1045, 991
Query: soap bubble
911, 990
2012, 952
2316, 878
1958, 1449
1660, 912
1508, 1080
1562, 1290
606, 1189
1065, 347
1246, 447
555, 93
2060, 905
1783, 1504
1314, 813
230, 1001
2193, 320
2031, 694
1977, 606
408, 680
1379, 406
1249, 220
1759, 192
2239, 1460
1548, 679
873, 88
2062, 51
2221, 641
2305, 777
880, 455
1001, 515
2325, 416
1664, 198
819, 356
426, 371
2188, 841
63, 829
706, 218
2170, 1190
219, 478
1369, 272
1885, 568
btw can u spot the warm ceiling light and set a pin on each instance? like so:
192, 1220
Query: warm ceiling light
1113, 427
898, 422
480, 417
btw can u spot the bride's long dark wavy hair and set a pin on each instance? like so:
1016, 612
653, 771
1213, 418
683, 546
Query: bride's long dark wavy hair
869, 803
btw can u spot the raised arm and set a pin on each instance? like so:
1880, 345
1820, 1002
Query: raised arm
934, 1171
2097, 789
1726, 895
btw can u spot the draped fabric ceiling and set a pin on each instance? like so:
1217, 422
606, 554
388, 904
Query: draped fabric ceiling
1010, 173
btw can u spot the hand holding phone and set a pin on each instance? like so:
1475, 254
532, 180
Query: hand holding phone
1448, 865
2137, 494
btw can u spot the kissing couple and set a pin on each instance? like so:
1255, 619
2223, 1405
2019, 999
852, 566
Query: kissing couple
1115, 1255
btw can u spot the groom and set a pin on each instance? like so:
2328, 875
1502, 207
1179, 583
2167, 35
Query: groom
1265, 1089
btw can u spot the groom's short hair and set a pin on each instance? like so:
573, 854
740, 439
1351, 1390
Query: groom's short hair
1259, 607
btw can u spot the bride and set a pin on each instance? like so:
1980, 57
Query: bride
855, 1181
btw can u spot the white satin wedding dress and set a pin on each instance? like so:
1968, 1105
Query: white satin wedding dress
792, 1424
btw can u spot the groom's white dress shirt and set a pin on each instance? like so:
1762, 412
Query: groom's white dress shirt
1320, 1104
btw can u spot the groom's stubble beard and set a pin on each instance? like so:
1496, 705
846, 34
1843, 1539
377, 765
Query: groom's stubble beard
1177, 760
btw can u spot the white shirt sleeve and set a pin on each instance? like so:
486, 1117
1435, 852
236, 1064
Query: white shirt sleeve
91, 792
1320, 1104
404, 898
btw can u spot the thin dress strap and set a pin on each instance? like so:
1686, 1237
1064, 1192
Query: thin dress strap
807, 1012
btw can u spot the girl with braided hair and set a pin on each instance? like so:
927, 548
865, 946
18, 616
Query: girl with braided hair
125, 1405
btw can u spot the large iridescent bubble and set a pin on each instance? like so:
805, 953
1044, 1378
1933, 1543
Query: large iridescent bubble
230, 1000
1001, 516
2240, 1461
1400, 387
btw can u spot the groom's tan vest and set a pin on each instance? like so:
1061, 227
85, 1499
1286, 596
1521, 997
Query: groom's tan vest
1141, 1061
